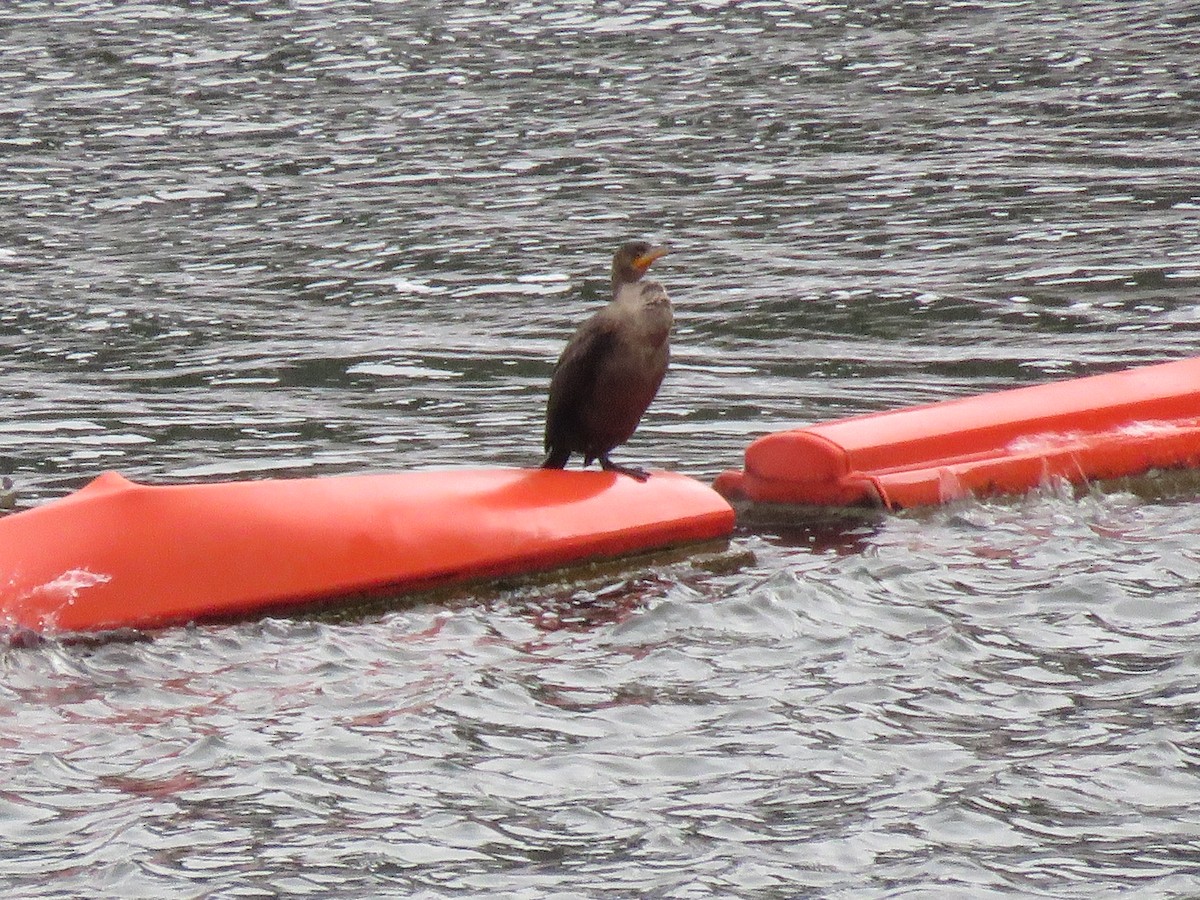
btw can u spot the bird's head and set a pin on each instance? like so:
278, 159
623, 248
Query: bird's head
632, 260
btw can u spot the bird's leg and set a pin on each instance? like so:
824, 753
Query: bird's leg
556, 459
632, 471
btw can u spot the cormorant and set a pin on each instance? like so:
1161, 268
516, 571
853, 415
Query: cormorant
611, 368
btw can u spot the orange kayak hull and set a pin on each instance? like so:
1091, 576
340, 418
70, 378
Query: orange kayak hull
1105, 426
118, 554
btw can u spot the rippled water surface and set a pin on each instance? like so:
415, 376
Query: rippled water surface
255, 238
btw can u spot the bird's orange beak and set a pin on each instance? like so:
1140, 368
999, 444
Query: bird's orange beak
642, 263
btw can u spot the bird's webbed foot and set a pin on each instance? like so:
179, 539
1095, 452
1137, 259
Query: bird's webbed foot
632, 471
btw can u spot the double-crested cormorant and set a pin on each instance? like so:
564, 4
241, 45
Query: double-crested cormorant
611, 368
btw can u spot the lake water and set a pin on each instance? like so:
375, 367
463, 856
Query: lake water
264, 238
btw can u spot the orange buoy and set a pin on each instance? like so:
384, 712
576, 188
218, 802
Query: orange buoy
1104, 426
118, 554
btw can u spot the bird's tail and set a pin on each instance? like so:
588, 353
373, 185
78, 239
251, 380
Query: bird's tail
556, 459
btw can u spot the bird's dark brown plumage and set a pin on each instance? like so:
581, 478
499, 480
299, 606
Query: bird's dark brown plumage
611, 368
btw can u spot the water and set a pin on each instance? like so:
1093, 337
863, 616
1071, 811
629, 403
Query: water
262, 238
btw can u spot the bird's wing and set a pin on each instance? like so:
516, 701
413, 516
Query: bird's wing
574, 378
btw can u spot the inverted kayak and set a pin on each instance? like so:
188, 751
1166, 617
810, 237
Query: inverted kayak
1104, 426
118, 554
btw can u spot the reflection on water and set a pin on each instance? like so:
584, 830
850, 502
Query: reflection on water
995, 697
247, 239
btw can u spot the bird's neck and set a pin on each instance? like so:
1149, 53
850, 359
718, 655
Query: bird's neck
628, 293
620, 283
641, 298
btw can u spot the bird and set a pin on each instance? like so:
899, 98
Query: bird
611, 367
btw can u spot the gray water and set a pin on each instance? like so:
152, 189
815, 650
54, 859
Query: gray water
263, 238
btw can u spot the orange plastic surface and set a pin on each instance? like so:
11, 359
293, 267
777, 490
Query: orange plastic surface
1105, 426
119, 554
